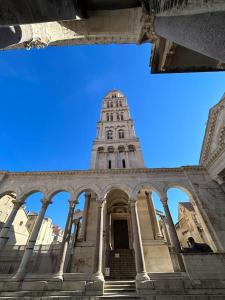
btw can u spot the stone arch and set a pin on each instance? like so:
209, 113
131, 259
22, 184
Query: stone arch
87, 188
182, 187
147, 186
8, 192
125, 188
34, 190
60, 189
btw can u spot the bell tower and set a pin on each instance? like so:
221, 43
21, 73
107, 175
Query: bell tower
116, 145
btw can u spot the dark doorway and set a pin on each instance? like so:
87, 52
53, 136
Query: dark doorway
121, 239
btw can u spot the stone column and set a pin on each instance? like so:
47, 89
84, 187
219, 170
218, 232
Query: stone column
66, 238
97, 271
32, 240
138, 248
152, 214
172, 229
85, 217
176, 250
6, 227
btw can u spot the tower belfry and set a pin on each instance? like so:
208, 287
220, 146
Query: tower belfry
116, 145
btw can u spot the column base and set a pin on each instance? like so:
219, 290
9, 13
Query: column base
58, 276
98, 277
18, 276
143, 276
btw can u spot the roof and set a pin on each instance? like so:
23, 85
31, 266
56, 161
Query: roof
113, 91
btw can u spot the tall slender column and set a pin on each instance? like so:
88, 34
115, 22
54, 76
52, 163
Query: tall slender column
97, 271
32, 240
85, 217
6, 227
138, 248
76, 223
173, 232
176, 254
152, 214
66, 237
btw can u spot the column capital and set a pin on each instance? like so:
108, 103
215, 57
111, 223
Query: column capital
101, 202
133, 202
73, 203
45, 202
17, 203
164, 200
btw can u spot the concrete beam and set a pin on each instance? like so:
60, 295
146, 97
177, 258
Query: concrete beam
203, 33
18, 12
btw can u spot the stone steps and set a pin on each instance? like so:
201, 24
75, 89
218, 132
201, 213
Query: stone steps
122, 267
118, 289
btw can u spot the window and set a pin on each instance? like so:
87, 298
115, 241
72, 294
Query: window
118, 116
107, 117
117, 104
121, 134
124, 164
21, 223
109, 135
121, 116
121, 149
120, 103
110, 164
111, 104
110, 149
111, 117
131, 148
100, 150
107, 104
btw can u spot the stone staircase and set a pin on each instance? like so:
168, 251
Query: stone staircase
120, 289
122, 264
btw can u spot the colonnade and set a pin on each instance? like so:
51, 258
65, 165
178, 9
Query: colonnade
98, 256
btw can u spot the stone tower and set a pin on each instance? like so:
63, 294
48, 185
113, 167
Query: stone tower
116, 145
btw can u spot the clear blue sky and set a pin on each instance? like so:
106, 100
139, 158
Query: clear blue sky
51, 99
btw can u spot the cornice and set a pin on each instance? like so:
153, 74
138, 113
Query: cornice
205, 158
107, 171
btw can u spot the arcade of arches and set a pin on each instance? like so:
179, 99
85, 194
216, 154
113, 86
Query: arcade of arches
121, 236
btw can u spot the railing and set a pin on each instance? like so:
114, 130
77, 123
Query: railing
180, 7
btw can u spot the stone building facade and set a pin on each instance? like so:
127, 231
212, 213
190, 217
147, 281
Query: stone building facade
18, 233
119, 236
188, 225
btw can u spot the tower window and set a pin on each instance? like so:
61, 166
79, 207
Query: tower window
118, 117
110, 149
120, 103
100, 150
107, 117
110, 164
121, 149
111, 117
121, 134
124, 163
121, 116
111, 104
117, 104
131, 148
107, 104
109, 135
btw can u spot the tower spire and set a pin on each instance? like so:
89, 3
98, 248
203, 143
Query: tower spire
116, 145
